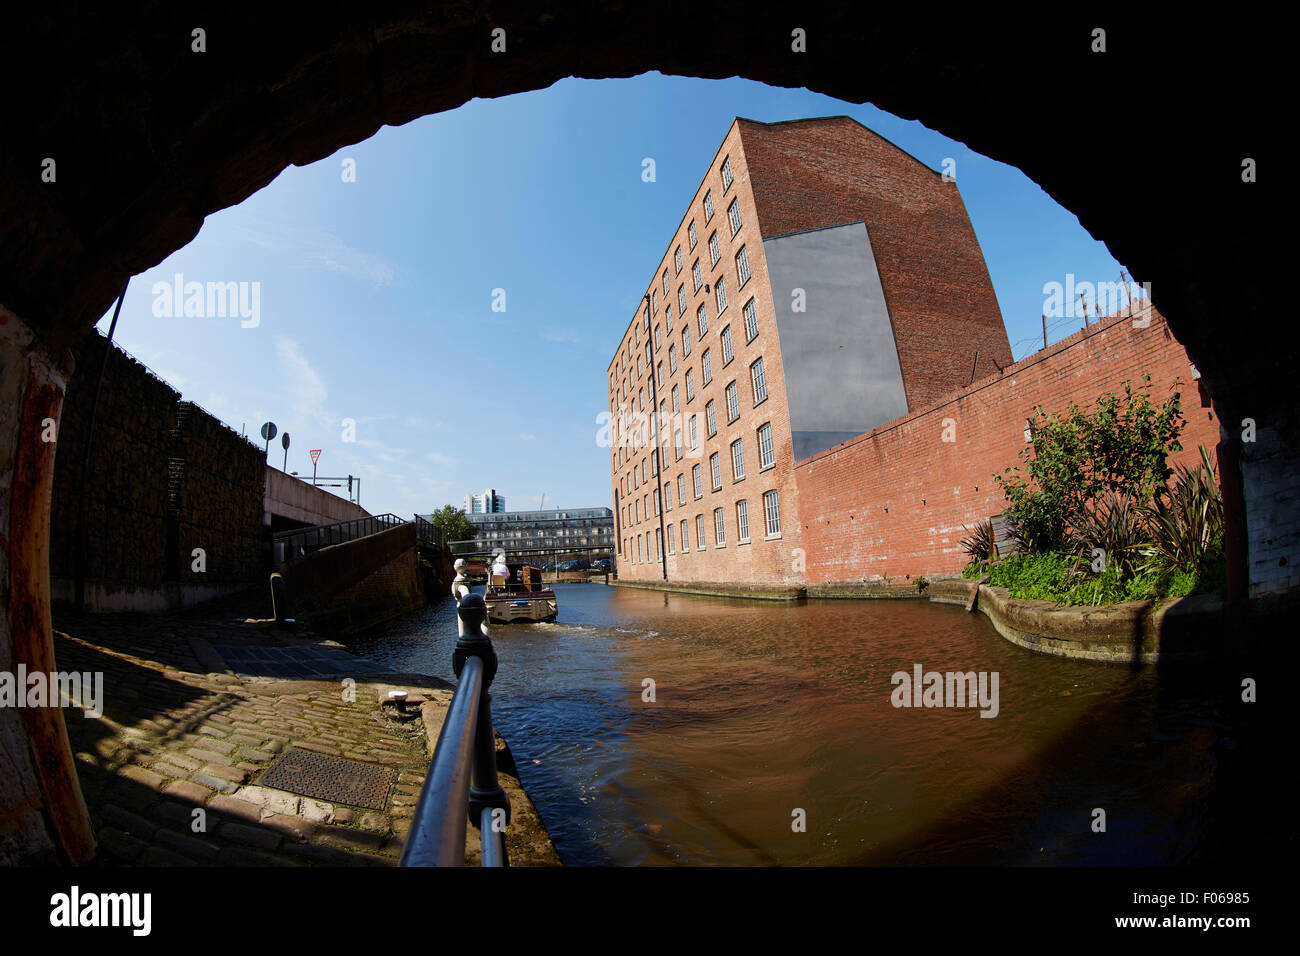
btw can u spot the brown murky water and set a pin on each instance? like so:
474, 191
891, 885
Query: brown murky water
766, 713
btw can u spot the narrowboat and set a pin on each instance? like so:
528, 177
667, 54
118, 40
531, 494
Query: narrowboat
519, 596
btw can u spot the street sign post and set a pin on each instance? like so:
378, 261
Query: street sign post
315, 456
284, 443
268, 432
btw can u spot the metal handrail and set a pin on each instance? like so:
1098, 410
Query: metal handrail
462, 786
298, 543
428, 532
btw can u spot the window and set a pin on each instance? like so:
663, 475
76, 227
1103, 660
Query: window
681, 498
681, 298
665, 288
690, 384
659, 339
668, 496
695, 431
672, 360
638, 366
677, 258
765, 454
733, 214
697, 274
702, 318
636, 334
654, 299
721, 292
661, 374
737, 459
677, 443
670, 539
659, 543
726, 174
638, 548
715, 249
677, 405
759, 380
772, 511
742, 520
637, 503
727, 353
751, 321
668, 319
742, 266
656, 501
686, 340
708, 205
697, 479
733, 402
691, 233
710, 419
715, 471
686, 541
699, 532
706, 367
719, 528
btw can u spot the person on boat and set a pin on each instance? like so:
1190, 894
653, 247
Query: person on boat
500, 567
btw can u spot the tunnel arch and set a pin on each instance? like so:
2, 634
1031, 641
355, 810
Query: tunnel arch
148, 136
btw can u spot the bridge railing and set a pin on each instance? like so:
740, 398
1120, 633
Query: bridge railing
428, 532
290, 546
462, 786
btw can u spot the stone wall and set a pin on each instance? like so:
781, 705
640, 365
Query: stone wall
164, 478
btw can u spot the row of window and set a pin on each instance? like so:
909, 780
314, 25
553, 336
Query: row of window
643, 548
715, 252
758, 387
639, 508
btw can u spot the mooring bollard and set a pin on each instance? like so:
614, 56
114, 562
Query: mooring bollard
280, 609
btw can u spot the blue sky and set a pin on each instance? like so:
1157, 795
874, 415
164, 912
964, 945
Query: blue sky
375, 296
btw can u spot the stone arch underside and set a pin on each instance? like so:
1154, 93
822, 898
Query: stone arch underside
1141, 142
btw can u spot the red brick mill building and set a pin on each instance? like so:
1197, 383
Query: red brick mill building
833, 380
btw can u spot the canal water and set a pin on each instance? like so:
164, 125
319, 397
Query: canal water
769, 715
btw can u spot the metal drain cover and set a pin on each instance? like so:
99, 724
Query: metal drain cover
331, 778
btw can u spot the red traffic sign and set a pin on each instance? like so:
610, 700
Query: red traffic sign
315, 453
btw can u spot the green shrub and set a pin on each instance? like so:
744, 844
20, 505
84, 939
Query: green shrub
1120, 447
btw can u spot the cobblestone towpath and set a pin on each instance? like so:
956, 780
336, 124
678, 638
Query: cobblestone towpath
200, 705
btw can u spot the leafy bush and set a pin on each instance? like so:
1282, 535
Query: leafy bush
1119, 447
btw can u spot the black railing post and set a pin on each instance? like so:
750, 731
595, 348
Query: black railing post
488, 806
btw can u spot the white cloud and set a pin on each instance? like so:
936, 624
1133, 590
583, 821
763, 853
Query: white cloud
527, 436
305, 387
323, 249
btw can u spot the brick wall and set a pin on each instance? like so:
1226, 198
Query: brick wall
823, 172
894, 501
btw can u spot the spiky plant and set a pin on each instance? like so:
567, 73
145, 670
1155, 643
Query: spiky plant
1185, 524
981, 543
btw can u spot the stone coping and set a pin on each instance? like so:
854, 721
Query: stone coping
759, 592
1135, 631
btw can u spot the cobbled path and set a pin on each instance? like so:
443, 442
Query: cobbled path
170, 770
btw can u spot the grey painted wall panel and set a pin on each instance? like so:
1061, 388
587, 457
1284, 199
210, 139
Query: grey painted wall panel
842, 374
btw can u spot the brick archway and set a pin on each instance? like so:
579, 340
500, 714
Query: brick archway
148, 137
